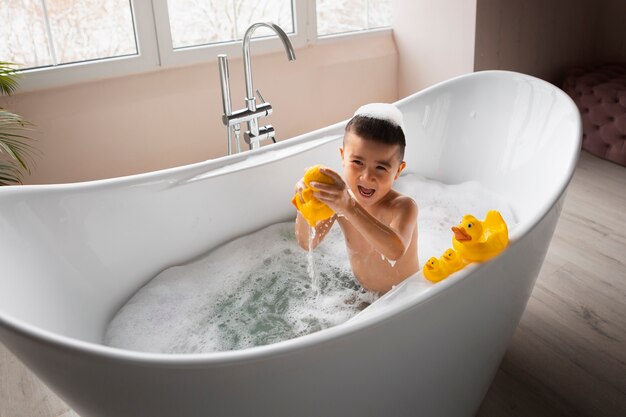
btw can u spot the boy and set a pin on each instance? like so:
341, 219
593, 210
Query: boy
379, 224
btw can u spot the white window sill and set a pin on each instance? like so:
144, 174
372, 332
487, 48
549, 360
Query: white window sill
149, 60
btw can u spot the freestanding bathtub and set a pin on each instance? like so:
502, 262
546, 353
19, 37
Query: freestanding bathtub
72, 254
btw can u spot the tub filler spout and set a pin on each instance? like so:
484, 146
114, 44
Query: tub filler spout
253, 111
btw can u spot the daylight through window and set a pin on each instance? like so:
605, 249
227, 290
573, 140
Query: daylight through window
40, 33
49, 34
202, 22
342, 16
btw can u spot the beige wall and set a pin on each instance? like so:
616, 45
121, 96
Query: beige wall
171, 117
435, 41
545, 38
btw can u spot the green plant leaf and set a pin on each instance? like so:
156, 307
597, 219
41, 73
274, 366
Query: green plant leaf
16, 152
9, 174
9, 78
15, 148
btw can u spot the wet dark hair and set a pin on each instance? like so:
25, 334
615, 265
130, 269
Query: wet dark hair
378, 130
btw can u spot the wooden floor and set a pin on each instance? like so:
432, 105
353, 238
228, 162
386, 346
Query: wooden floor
568, 355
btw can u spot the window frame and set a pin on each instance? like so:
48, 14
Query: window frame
146, 59
155, 47
171, 57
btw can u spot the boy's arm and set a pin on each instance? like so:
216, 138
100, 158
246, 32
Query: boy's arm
392, 240
303, 230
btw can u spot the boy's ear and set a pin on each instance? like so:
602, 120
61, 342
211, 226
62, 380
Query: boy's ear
341, 153
400, 169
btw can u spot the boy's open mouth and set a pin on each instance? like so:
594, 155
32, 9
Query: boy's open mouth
366, 192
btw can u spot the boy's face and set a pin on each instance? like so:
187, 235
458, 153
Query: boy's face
370, 168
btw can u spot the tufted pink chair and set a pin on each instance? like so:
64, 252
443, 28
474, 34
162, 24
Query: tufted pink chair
600, 94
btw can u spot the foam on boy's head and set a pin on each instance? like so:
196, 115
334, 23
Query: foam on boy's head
379, 122
382, 111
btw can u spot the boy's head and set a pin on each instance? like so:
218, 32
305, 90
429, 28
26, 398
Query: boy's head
379, 122
373, 151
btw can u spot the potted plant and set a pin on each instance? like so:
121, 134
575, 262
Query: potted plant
15, 148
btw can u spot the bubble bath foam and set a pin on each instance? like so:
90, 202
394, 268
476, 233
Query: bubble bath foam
262, 288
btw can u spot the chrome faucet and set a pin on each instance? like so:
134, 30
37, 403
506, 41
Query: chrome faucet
253, 111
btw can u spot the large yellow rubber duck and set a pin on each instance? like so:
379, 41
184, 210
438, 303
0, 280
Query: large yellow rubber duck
312, 209
477, 241
473, 241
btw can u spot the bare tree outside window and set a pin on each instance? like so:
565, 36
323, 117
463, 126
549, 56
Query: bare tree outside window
39, 33
202, 22
23, 34
47, 33
341, 16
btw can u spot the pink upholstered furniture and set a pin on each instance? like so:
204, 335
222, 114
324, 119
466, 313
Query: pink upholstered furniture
600, 94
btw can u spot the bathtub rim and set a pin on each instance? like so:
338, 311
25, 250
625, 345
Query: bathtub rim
224, 358
193, 172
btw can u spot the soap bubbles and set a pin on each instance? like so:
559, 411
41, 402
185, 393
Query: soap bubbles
252, 291
255, 290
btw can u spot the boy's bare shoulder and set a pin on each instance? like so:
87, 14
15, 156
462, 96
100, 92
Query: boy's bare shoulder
400, 200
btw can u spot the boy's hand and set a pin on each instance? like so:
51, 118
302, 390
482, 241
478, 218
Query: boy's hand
300, 186
336, 195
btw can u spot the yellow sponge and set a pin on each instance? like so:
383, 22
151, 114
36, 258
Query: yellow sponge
312, 209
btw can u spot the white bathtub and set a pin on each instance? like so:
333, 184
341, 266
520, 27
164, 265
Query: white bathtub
71, 255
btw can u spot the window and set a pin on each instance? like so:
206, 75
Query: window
199, 22
39, 33
342, 16
64, 41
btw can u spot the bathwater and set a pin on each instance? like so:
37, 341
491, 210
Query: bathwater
252, 291
258, 289
311, 262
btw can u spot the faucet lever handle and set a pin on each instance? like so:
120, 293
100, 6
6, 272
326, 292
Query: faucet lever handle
258, 93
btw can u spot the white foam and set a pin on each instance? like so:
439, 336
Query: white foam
382, 111
252, 291
256, 290
442, 206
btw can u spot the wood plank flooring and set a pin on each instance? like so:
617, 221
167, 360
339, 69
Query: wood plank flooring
568, 355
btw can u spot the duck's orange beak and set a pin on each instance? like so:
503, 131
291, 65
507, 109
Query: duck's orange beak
460, 234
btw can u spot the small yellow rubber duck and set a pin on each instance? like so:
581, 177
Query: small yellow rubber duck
477, 241
312, 209
434, 270
452, 261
